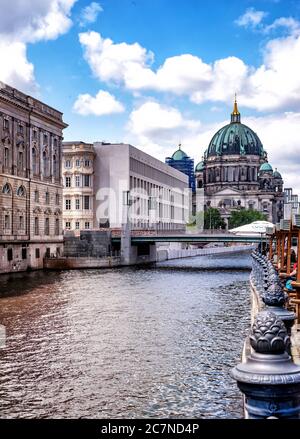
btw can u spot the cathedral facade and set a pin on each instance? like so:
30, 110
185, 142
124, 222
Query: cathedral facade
235, 173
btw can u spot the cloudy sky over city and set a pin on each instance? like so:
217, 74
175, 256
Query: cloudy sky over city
158, 72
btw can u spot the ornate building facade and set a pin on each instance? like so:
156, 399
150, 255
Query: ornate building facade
78, 179
30, 181
235, 173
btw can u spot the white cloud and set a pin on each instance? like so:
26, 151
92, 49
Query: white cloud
251, 18
292, 25
273, 85
103, 103
90, 14
23, 22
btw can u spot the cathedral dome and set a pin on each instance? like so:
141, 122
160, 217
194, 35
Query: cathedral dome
235, 139
179, 154
266, 167
277, 174
200, 167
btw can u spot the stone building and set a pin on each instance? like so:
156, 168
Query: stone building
30, 181
78, 179
235, 173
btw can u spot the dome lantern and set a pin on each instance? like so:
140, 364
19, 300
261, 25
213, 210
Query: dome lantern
235, 115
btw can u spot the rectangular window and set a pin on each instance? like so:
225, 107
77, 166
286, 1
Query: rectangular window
77, 225
47, 198
47, 252
57, 226
68, 164
68, 181
68, 225
86, 181
57, 199
87, 163
47, 228
21, 222
5, 124
20, 129
9, 254
36, 196
34, 135
77, 203
24, 253
7, 222
36, 226
6, 154
37, 253
68, 204
77, 163
45, 138
86, 202
77, 180
87, 225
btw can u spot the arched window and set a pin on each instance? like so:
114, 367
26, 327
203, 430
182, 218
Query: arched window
34, 161
45, 164
21, 192
6, 189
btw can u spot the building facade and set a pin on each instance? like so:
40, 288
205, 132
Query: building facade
78, 180
183, 163
158, 194
235, 173
30, 181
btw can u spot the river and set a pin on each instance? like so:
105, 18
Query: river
152, 342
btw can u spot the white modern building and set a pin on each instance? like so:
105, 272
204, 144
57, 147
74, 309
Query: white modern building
158, 194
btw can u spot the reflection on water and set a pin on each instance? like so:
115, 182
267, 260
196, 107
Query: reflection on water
135, 342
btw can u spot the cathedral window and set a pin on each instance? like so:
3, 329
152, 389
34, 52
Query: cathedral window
21, 191
6, 189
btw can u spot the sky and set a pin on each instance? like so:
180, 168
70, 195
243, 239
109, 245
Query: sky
156, 73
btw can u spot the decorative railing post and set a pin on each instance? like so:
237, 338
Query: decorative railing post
269, 379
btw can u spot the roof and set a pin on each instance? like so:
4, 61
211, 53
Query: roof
266, 167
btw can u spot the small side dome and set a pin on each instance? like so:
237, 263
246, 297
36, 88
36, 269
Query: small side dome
266, 167
200, 167
277, 174
179, 154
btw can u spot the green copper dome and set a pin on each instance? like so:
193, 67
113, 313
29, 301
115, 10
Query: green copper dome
266, 167
235, 139
200, 167
179, 155
277, 174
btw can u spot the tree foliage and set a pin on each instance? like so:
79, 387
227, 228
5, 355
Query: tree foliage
245, 216
213, 219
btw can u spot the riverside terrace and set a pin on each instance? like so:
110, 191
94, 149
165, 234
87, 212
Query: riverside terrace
269, 374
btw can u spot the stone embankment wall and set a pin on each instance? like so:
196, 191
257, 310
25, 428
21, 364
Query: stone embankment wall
165, 254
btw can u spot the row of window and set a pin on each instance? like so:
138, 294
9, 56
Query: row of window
80, 181
21, 225
85, 162
47, 198
24, 253
7, 190
20, 130
68, 225
86, 203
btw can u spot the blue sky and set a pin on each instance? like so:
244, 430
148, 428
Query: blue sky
159, 72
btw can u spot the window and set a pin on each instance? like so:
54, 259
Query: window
86, 225
24, 253
68, 181
47, 252
6, 124
7, 221
47, 198
9, 254
36, 226
87, 163
6, 157
68, 225
46, 164
55, 167
68, 164
86, 180
57, 199
77, 180
68, 204
37, 253
77, 163
36, 196
21, 222
45, 138
77, 203
20, 129
21, 191
86, 202
56, 226
77, 225
34, 134
55, 143
6, 189
47, 228
34, 161
20, 160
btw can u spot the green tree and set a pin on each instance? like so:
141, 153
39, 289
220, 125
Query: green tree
245, 216
213, 219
